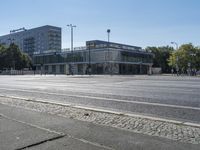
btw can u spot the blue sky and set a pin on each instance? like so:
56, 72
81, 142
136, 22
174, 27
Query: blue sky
135, 22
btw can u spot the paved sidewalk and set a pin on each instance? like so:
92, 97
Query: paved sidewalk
20, 128
185, 132
17, 135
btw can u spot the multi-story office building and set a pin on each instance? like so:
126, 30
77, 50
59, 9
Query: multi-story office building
36, 40
97, 57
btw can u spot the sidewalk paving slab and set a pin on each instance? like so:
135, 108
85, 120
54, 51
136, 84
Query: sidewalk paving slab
103, 137
67, 143
15, 135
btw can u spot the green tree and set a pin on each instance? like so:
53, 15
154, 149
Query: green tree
187, 57
26, 61
2, 56
161, 56
12, 57
172, 60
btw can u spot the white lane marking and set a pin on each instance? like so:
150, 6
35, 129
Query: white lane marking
83, 89
108, 99
115, 86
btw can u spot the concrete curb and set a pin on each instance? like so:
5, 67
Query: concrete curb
107, 111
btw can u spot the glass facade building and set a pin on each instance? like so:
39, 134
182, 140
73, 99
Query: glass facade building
36, 40
97, 57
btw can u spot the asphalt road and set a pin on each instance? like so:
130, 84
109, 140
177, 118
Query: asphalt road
160, 96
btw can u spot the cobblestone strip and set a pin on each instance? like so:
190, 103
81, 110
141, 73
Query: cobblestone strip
173, 131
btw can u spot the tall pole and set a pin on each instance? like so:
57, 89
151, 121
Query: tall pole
108, 57
177, 59
72, 39
71, 27
175, 44
108, 31
89, 68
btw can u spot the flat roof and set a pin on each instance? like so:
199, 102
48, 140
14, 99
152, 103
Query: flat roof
27, 30
113, 44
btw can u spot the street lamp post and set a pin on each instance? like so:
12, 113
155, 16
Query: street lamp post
56, 61
89, 68
42, 65
177, 59
108, 57
108, 31
175, 44
72, 27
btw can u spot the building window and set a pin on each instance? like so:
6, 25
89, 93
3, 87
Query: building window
61, 68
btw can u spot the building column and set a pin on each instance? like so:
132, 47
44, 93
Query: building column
66, 68
57, 69
140, 68
150, 70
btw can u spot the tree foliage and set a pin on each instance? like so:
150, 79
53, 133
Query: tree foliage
172, 60
12, 57
186, 57
161, 56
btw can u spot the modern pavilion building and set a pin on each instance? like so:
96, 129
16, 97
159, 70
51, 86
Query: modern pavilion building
43, 44
97, 57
